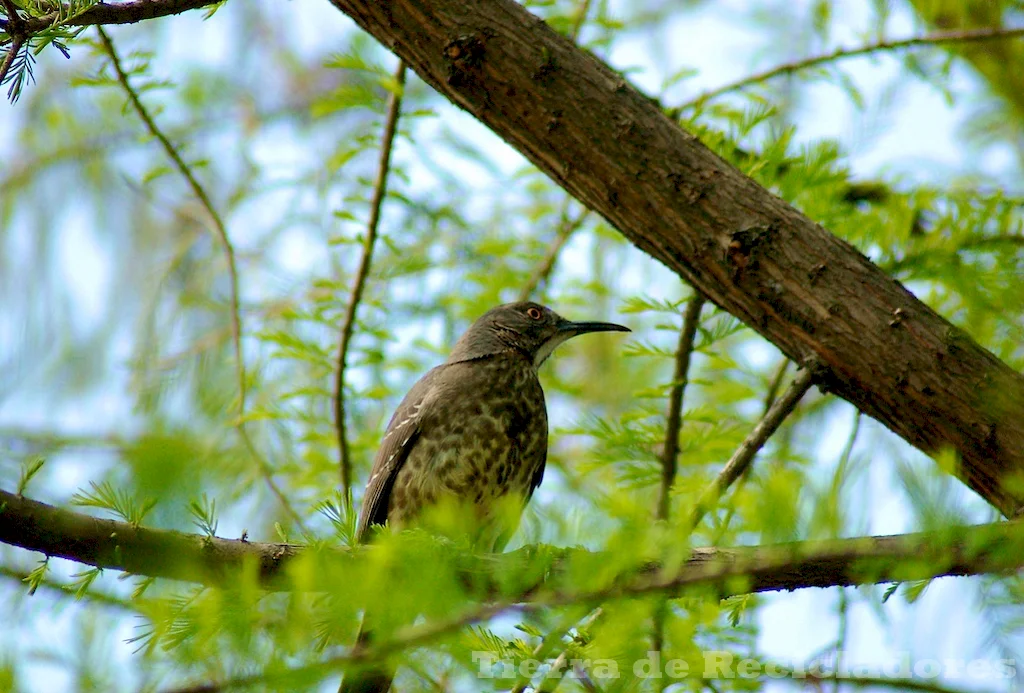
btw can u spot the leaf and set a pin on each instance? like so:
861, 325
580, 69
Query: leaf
29, 470
38, 574
82, 581
204, 514
106, 497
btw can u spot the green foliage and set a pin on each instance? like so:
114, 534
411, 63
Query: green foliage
58, 34
35, 578
118, 501
28, 470
284, 133
204, 514
83, 581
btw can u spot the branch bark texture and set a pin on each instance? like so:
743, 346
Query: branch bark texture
103, 13
810, 293
118, 545
537, 573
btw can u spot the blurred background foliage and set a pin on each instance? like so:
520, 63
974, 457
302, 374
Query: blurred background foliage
117, 367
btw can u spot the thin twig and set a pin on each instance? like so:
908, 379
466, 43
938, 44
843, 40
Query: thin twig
12, 53
744, 455
359, 283
844, 457
561, 663
558, 666
939, 38
580, 19
806, 679
408, 637
769, 399
14, 22
204, 200
659, 618
774, 385
229, 254
111, 13
566, 228
583, 676
15, 28
844, 630
673, 419
670, 450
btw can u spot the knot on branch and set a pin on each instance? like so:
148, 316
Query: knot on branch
464, 55
743, 244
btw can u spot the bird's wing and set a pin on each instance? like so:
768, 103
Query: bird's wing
398, 441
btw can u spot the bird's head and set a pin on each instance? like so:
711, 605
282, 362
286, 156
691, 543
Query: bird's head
527, 327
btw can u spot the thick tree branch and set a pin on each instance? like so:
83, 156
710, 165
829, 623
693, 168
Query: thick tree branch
808, 292
119, 546
992, 548
566, 227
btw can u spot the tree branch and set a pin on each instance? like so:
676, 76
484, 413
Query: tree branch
969, 36
748, 449
18, 32
566, 228
674, 416
120, 546
359, 283
742, 247
17, 42
221, 232
991, 548
769, 399
670, 449
112, 13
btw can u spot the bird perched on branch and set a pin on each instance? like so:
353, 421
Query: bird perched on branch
465, 449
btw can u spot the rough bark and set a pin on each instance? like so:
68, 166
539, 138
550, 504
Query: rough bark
528, 573
111, 13
153, 552
810, 293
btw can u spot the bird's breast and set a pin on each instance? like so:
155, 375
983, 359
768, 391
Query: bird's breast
479, 450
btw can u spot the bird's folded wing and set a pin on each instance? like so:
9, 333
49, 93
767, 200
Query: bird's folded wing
398, 441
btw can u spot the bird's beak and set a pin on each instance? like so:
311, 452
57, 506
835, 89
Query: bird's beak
571, 329
566, 330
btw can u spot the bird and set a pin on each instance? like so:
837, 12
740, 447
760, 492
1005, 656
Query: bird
466, 448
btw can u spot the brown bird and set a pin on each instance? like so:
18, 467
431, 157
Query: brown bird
466, 448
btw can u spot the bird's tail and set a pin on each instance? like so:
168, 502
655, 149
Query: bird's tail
374, 679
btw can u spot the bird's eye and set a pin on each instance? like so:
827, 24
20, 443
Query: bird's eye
534, 313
